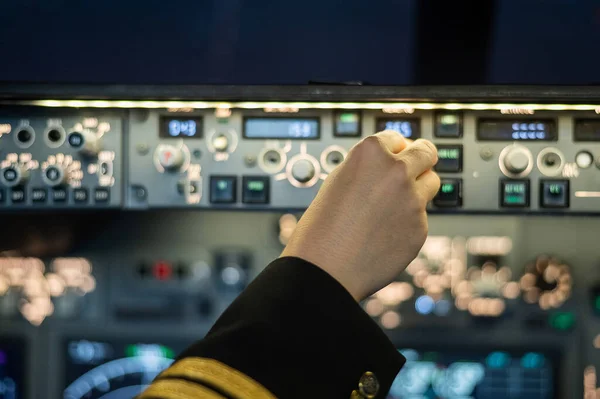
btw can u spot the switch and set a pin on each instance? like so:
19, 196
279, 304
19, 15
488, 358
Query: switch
38, 195
255, 189
223, 189
450, 194
102, 194
554, 193
303, 170
450, 158
584, 159
17, 195
59, 195
514, 193
448, 124
80, 195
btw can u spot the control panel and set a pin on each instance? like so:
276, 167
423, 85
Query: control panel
60, 158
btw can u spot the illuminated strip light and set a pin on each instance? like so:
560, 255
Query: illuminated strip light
587, 194
303, 105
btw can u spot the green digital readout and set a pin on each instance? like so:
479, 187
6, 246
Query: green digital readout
447, 188
514, 188
555, 189
449, 153
256, 185
515, 193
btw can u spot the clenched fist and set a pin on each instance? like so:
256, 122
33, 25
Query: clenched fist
368, 221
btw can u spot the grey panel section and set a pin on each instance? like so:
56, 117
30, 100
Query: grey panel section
102, 169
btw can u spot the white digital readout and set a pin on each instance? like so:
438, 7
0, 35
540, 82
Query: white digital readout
281, 128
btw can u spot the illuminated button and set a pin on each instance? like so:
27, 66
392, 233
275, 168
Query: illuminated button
101, 194
223, 189
162, 271
448, 124
450, 194
80, 195
17, 195
584, 159
38, 195
255, 189
220, 142
347, 124
450, 158
514, 193
554, 193
59, 195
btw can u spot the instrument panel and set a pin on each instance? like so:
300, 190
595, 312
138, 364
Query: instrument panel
503, 300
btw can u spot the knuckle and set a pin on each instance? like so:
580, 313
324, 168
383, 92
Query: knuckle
400, 171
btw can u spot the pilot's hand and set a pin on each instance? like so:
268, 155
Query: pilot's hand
368, 221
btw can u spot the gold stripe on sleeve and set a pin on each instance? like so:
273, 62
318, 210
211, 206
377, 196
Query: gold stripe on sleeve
178, 389
223, 378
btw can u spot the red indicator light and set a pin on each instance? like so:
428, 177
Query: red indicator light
162, 270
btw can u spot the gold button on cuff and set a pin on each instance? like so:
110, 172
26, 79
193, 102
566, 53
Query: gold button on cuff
368, 386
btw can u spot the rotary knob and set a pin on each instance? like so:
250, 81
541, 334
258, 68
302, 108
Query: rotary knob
54, 176
170, 157
85, 142
14, 175
517, 159
303, 170
220, 142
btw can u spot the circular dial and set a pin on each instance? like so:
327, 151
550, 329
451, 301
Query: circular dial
303, 170
220, 142
517, 159
120, 378
170, 157
54, 176
14, 175
547, 281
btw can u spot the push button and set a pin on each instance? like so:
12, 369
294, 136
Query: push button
554, 193
38, 195
450, 158
255, 189
450, 194
59, 195
514, 193
17, 195
223, 189
102, 195
448, 124
80, 195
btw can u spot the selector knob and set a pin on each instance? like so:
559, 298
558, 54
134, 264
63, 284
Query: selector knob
170, 157
517, 159
14, 175
303, 170
85, 142
54, 176
220, 142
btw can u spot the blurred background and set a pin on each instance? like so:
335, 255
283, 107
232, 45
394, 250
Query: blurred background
136, 205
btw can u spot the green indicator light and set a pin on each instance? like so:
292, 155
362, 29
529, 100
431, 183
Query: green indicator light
349, 118
448, 119
514, 189
597, 303
513, 199
130, 351
447, 188
222, 185
562, 321
555, 189
149, 350
256, 185
167, 352
448, 153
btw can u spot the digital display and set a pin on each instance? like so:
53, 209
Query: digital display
450, 158
474, 375
409, 128
347, 124
281, 128
587, 130
517, 130
12, 368
116, 369
514, 193
171, 127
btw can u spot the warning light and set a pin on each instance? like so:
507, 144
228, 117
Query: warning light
162, 271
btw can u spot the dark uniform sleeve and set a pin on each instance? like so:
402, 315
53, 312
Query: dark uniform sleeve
295, 332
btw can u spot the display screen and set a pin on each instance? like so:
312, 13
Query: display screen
347, 124
12, 368
512, 130
281, 128
409, 128
114, 369
474, 375
587, 130
171, 127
